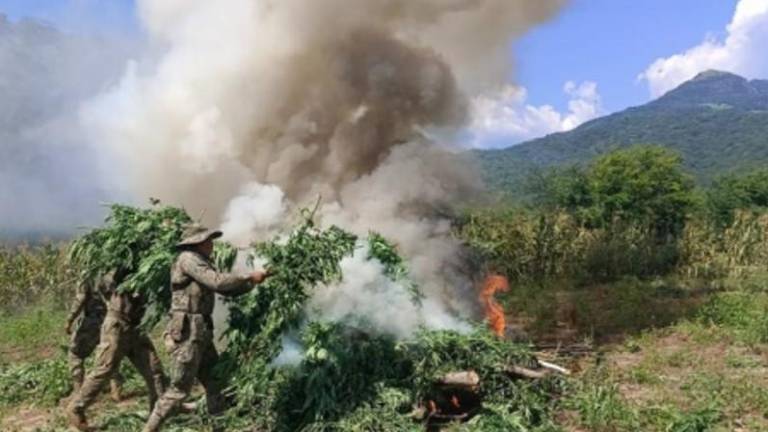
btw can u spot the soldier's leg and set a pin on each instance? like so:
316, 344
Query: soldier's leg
185, 361
144, 357
89, 333
209, 380
76, 370
110, 351
84, 340
116, 382
116, 386
93, 337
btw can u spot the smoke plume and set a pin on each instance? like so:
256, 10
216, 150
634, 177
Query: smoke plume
49, 176
258, 106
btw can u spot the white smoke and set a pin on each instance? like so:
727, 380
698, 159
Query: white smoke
49, 180
258, 106
254, 214
292, 352
366, 295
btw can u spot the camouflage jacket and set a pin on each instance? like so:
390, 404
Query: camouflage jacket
194, 282
90, 298
128, 307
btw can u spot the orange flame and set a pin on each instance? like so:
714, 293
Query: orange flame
494, 313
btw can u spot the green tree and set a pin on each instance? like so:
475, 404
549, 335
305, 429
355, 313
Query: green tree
562, 188
737, 191
641, 184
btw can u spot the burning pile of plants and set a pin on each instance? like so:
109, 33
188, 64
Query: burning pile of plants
352, 380
352, 376
347, 375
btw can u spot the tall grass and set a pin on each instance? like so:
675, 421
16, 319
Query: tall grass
533, 246
527, 246
570, 280
740, 250
29, 274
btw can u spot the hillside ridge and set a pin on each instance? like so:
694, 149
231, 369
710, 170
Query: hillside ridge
718, 122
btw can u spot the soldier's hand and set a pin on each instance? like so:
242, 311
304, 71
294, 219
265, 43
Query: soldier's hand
68, 328
259, 276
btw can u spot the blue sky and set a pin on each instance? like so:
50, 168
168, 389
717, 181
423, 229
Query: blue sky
610, 42
606, 41
594, 58
599, 47
78, 16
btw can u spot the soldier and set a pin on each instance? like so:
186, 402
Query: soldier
189, 335
121, 336
90, 304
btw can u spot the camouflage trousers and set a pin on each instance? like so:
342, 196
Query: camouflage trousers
118, 340
83, 342
189, 340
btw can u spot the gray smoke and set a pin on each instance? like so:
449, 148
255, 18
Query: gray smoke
50, 180
272, 103
308, 95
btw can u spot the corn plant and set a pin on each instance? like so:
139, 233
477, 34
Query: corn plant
537, 247
737, 250
29, 274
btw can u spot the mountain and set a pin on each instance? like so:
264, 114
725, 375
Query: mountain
717, 121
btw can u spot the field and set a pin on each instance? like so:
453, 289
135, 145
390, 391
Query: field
653, 294
654, 347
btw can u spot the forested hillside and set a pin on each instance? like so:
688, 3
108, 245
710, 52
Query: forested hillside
717, 121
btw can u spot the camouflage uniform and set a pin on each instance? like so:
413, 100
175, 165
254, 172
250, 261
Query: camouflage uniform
91, 308
189, 335
121, 336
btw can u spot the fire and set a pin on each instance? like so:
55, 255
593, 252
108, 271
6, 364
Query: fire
494, 313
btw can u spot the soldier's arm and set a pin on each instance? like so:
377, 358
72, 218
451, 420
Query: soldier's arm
222, 283
81, 298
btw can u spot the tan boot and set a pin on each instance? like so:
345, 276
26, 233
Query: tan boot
77, 419
115, 391
153, 423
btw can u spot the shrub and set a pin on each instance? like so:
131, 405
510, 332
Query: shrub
44, 382
744, 314
537, 247
737, 191
643, 183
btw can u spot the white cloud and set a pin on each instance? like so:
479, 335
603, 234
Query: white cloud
742, 51
504, 118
